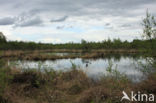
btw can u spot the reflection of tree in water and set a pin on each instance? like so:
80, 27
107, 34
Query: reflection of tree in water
118, 56
86, 62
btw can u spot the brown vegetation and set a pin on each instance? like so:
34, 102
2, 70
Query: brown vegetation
41, 54
33, 86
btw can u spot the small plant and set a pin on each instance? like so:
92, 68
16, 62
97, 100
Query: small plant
114, 73
73, 66
92, 102
109, 68
148, 67
50, 74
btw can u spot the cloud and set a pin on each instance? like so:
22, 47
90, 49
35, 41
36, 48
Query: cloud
95, 8
22, 20
126, 25
111, 16
29, 22
60, 27
107, 24
50, 40
59, 19
7, 21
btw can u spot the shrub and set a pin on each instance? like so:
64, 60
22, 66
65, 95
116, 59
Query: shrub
33, 78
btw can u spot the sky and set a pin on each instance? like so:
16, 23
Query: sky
62, 21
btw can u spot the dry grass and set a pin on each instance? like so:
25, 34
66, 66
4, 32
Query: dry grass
148, 85
38, 54
33, 86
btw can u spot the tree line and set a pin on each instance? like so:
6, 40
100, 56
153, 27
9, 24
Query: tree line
85, 45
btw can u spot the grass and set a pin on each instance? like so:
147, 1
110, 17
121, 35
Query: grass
41, 54
5, 78
74, 86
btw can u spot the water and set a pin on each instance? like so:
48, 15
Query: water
62, 54
94, 68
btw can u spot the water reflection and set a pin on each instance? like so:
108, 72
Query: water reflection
62, 54
93, 67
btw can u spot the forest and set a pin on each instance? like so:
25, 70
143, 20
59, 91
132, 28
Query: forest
85, 45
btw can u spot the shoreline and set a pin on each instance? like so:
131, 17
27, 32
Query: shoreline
39, 54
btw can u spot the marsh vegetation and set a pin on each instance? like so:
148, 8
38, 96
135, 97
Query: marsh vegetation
86, 72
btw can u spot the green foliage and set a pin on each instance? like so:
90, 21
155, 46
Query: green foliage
4, 79
84, 45
50, 74
73, 66
113, 72
2, 38
149, 32
109, 68
92, 102
149, 67
149, 24
83, 41
115, 44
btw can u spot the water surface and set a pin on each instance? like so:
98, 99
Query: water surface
95, 68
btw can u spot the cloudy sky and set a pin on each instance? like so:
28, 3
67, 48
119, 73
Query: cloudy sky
60, 21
